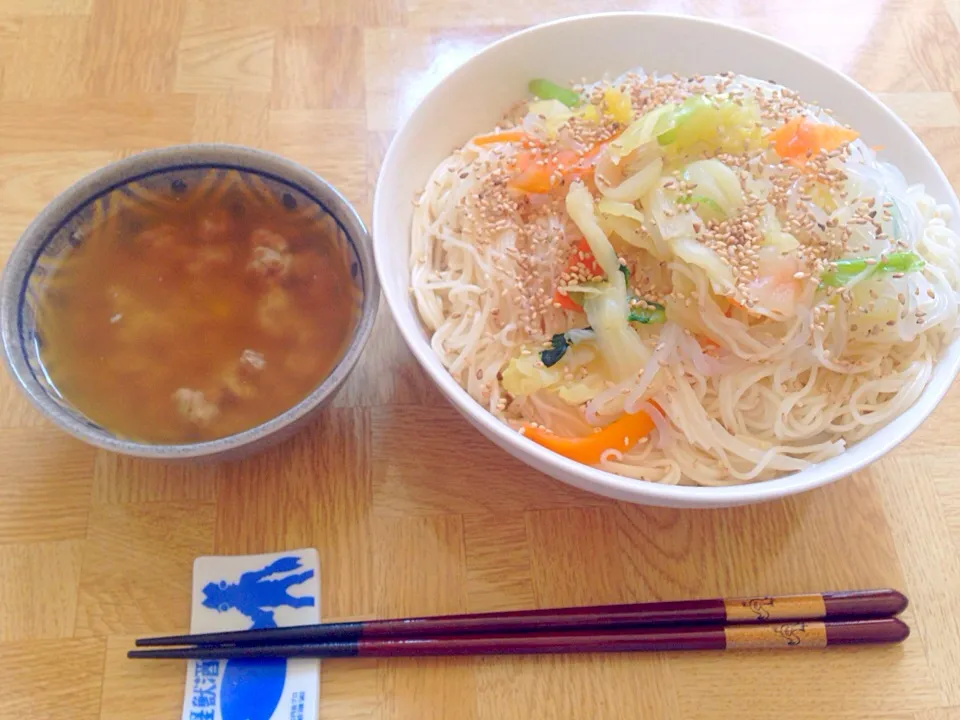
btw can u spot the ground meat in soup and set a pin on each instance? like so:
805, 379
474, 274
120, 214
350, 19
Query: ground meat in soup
160, 238
271, 255
267, 261
208, 258
253, 360
241, 378
194, 407
215, 227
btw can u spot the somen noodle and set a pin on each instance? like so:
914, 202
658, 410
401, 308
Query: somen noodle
699, 280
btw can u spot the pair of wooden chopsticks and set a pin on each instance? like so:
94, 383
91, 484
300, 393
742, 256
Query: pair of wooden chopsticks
791, 621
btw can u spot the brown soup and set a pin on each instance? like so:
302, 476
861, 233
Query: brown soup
200, 321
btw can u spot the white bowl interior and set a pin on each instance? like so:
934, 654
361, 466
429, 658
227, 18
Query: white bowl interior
472, 98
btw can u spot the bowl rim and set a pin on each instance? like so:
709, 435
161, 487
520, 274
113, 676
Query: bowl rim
594, 480
25, 253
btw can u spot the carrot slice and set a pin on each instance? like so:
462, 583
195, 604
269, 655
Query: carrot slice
504, 136
537, 170
830, 137
800, 137
534, 175
581, 255
565, 302
622, 434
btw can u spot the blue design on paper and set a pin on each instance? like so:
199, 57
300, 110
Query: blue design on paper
296, 709
204, 701
251, 689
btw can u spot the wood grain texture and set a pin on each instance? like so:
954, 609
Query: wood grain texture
411, 510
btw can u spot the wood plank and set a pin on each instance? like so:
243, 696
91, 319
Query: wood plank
45, 493
39, 600
46, 678
137, 567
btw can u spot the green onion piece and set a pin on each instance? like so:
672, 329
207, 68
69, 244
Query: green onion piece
626, 272
546, 90
846, 270
651, 314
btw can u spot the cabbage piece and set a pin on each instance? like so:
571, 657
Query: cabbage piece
773, 233
677, 310
642, 131
523, 375
719, 272
671, 223
694, 117
635, 186
717, 182
526, 375
607, 206
626, 222
577, 392
715, 124
879, 298
617, 105
545, 117
630, 232
621, 347
579, 203
577, 292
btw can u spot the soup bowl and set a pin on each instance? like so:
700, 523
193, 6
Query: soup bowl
473, 98
139, 178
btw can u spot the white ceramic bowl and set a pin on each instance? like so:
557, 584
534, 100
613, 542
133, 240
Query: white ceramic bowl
471, 100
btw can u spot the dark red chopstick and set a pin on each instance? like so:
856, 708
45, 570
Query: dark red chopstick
812, 634
855, 604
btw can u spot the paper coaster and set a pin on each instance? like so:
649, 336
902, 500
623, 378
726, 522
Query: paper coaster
239, 592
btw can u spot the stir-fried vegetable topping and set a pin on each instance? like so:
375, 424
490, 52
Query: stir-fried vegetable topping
800, 138
582, 266
642, 131
649, 313
580, 208
551, 356
547, 90
538, 172
617, 105
712, 211
711, 122
504, 136
561, 342
846, 270
621, 435
689, 110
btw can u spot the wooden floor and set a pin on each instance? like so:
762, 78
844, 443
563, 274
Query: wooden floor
411, 510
